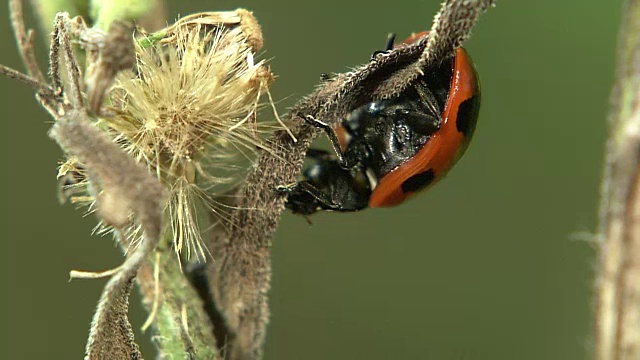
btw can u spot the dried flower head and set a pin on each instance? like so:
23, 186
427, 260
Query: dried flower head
188, 110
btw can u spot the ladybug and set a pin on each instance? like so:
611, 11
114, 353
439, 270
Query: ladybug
388, 150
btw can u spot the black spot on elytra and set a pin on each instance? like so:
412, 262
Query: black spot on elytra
418, 181
468, 115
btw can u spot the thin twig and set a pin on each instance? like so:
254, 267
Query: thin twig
24, 39
617, 317
26, 79
47, 98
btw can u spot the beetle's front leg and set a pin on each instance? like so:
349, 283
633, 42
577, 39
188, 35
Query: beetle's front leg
346, 161
305, 199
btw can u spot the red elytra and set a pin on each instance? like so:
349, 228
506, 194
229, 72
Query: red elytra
445, 146
402, 145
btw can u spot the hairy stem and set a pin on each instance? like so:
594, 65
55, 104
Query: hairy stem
617, 317
240, 278
181, 328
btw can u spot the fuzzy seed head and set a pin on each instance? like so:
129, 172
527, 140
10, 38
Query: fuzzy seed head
189, 111
187, 95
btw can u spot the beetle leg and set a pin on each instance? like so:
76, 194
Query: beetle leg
286, 189
324, 77
305, 199
303, 188
345, 162
391, 38
322, 199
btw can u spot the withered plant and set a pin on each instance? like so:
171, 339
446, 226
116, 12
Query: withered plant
163, 143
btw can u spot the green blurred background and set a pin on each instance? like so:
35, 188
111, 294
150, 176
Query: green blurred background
493, 263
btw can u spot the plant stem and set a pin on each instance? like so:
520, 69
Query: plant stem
617, 290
